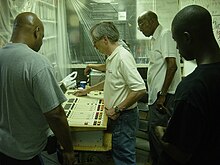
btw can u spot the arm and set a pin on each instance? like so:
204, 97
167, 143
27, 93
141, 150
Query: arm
170, 149
100, 67
84, 92
57, 121
132, 98
170, 72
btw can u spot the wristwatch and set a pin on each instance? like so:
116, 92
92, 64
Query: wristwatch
117, 110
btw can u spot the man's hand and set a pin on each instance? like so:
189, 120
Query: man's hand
111, 113
69, 158
81, 92
159, 131
160, 104
87, 70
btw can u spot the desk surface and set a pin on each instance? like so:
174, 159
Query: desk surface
85, 112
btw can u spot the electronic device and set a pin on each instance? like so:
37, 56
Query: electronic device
85, 111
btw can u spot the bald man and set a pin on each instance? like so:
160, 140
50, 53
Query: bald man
30, 98
192, 136
163, 75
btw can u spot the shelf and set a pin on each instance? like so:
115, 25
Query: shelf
49, 21
76, 65
46, 3
50, 37
84, 65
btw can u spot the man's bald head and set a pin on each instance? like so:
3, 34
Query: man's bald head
26, 19
195, 20
192, 31
147, 15
147, 23
28, 29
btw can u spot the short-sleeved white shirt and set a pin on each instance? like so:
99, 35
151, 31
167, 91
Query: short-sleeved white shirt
121, 78
162, 46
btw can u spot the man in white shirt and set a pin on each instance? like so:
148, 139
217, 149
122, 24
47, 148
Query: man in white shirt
163, 75
123, 87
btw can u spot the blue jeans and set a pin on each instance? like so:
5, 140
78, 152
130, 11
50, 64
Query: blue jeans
124, 137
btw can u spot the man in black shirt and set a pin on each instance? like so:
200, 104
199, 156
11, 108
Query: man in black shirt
192, 135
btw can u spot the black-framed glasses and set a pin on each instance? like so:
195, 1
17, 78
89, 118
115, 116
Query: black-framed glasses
94, 40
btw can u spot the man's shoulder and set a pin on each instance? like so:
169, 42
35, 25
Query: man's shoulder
35, 59
124, 52
166, 32
125, 56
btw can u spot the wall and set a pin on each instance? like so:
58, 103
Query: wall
214, 8
166, 10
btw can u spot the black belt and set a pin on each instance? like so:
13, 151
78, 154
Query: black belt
128, 110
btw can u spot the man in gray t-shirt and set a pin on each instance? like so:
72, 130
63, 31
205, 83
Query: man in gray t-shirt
30, 98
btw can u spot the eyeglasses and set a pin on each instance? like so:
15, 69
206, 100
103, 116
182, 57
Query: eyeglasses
94, 40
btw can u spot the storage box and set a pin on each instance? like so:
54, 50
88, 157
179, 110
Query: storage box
96, 77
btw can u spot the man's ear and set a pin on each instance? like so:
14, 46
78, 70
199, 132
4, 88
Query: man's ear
105, 39
36, 31
187, 37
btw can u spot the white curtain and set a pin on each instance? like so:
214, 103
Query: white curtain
63, 54
5, 29
87, 53
8, 10
53, 16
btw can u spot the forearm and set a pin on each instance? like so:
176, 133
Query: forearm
98, 87
100, 67
59, 125
170, 72
132, 98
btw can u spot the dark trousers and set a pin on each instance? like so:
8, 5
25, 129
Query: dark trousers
6, 160
158, 119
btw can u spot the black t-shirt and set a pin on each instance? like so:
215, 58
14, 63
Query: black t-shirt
195, 125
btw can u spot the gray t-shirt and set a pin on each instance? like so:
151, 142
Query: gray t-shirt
28, 89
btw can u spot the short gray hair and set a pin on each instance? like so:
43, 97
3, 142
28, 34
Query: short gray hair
103, 29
